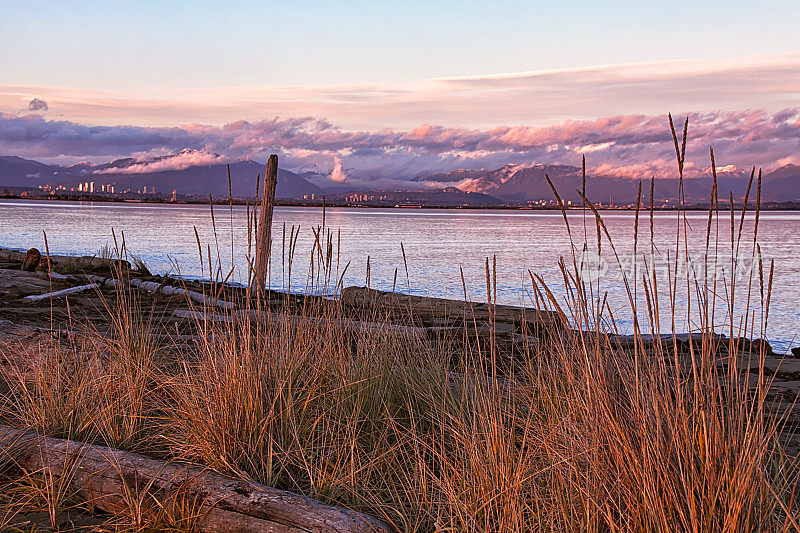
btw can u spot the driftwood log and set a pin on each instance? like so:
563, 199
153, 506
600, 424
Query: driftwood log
198, 297
58, 294
67, 263
168, 290
429, 308
354, 326
105, 476
264, 229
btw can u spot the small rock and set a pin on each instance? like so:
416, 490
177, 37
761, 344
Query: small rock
754, 346
796, 351
32, 259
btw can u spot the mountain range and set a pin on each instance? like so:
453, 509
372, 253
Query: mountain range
163, 174
200, 173
523, 183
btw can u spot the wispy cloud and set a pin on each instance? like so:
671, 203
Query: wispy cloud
529, 98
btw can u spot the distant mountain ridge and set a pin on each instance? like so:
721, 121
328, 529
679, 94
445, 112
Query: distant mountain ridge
200, 173
16, 171
521, 183
164, 173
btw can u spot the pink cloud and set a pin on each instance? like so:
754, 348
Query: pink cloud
338, 174
182, 160
625, 145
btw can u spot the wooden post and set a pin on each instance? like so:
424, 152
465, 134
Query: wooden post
264, 231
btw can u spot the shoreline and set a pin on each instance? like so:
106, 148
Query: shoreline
723, 206
393, 301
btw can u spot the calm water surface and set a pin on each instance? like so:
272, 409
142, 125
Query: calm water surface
438, 244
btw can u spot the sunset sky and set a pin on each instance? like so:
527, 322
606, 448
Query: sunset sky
394, 90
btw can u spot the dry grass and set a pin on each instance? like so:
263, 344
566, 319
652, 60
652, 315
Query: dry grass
583, 435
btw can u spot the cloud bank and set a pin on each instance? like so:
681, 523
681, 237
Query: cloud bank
626, 145
523, 98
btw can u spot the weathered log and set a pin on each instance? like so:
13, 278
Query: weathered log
429, 308
102, 280
58, 294
193, 295
52, 276
68, 263
356, 326
11, 331
24, 281
104, 476
167, 290
264, 230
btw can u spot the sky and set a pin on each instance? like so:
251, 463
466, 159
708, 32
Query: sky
217, 76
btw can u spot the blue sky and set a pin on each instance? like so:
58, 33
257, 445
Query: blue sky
133, 46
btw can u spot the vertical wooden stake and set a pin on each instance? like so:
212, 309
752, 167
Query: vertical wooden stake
264, 231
